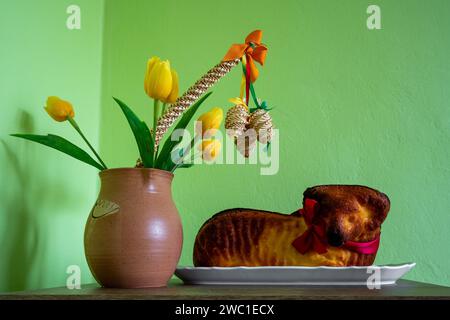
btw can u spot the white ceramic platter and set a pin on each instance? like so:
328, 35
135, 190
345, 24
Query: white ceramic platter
383, 275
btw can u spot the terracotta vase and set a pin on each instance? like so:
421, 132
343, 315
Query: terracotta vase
133, 236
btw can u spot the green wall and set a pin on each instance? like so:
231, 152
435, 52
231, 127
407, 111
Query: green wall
352, 106
45, 197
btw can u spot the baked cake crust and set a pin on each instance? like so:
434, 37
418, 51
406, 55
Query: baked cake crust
249, 237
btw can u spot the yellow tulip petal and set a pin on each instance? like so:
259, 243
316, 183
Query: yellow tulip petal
152, 62
210, 149
174, 93
153, 81
160, 81
150, 66
165, 81
211, 121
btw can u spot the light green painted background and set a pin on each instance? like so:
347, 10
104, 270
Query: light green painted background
45, 197
352, 106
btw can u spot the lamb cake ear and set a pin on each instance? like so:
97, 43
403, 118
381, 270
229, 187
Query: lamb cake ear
381, 205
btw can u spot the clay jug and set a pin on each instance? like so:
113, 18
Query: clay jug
133, 236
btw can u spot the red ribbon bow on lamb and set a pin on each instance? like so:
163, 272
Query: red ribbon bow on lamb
314, 238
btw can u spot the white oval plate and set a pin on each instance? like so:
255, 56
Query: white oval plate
388, 274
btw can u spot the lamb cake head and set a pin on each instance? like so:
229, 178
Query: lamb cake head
339, 225
348, 212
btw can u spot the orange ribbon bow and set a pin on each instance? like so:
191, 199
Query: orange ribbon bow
253, 49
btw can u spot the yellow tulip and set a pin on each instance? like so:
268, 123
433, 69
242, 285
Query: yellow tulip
210, 149
211, 121
59, 109
161, 82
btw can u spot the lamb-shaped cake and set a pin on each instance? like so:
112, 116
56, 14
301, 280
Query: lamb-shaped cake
339, 225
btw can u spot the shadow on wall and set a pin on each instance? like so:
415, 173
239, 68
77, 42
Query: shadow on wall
20, 240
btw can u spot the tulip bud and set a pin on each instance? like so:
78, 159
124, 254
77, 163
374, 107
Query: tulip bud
211, 121
210, 149
161, 83
59, 109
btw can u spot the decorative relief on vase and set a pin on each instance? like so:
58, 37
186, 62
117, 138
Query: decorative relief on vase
103, 208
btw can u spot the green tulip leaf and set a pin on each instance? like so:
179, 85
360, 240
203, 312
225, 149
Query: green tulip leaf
144, 139
63, 145
164, 160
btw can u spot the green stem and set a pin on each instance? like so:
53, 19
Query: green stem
77, 128
156, 115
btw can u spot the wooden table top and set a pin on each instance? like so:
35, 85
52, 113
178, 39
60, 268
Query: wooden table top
404, 289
